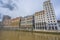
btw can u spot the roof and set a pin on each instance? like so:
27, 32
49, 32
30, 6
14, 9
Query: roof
40, 12
17, 18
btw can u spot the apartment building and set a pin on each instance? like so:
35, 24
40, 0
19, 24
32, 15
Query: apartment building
6, 23
30, 22
27, 22
12, 23
1, 24
6, 17
50, 17
23, 23
42, 20
5, 20
39, 18
46, 19
58, 24
15, 22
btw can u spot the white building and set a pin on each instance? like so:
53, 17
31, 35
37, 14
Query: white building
46, 20
40, 23
50, 17
58, 24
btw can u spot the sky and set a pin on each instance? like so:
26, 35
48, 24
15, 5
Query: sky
17, 8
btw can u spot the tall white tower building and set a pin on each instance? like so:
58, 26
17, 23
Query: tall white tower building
50, 17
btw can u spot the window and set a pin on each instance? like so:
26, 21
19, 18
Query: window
55, 24
51, 10
51, 24
41, 14
52, 27
52, 16
51, 21
49, 28
46, 28
54, 21
56, 27
47, 15
48, 21
59, 25
42, 27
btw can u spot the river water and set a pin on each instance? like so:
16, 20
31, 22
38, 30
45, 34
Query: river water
21, 35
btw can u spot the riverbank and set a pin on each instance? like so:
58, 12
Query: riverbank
27, 35
41, 31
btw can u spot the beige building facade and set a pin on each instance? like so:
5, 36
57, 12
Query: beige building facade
15, 22
39, 18
12, 23
27, 22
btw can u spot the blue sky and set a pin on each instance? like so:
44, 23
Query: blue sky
16, 8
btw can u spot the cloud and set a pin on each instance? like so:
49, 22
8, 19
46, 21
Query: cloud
10, 5
1, 2
25, 7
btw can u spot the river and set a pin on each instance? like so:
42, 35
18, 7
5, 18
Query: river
23, 35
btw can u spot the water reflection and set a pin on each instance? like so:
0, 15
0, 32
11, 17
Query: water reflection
21, 35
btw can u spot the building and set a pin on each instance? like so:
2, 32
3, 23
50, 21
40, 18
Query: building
59, 24
27, 22
30, 22
23, 23
5, 19
46, 19
15, 22
12, 23
50, 17
6, 23
1, 25
40, 23
42, 20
